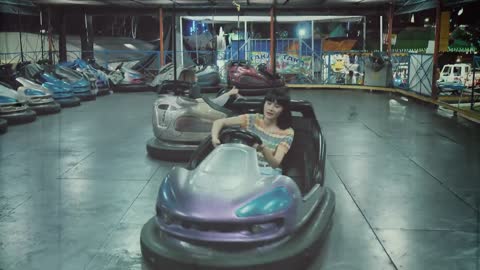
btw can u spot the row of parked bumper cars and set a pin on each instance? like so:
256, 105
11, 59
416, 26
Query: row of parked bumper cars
39, 91
61, 91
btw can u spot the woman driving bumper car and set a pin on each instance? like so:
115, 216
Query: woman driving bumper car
273, 126
224, 211
187, 75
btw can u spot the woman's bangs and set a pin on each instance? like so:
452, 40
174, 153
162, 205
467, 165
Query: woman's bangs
284, 101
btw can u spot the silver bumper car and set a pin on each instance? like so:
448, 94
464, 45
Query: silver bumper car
38, 97
180, 123
14, 108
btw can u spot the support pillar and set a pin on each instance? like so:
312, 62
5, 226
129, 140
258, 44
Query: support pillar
162, 50
62, 40
364, 33
246, 40
390, 29
273, 54
436, 48
50, 35
86, 37
179, 39
381, 33
313, 50
42, 32
174, 42
20, 28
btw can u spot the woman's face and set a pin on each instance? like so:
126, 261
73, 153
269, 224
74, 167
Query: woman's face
272, 110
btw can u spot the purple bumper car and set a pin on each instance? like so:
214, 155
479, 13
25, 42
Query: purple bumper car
220, 212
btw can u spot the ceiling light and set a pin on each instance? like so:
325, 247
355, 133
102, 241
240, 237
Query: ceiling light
427, 20
301, 32
412, 20
460, 12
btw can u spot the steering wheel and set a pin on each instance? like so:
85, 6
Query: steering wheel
262, 67
38, 76
238, 135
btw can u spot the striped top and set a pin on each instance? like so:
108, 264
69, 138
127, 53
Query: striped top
271, 140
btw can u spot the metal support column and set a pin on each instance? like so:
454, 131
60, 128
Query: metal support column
245, 38
196, 40
472, 99
50, 35
174, 43
42, 32
364, 33
181, 38
62, 40
313, 53
436, 49
20, 35
273, 55
381, 33
86, 37
390, 28
162, 52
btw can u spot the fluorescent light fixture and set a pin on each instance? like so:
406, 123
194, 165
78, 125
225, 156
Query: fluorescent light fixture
460, 12
130, 46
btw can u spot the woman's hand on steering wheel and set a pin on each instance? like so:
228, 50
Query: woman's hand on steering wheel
259, 147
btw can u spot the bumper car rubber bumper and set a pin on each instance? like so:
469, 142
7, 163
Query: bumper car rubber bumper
289, 253
257, 91
68, 102
170, 151
210, 89
126, 88
49, 108
85, 96
3, 126
103, 91
20, 117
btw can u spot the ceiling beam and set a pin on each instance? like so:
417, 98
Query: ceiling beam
112, 7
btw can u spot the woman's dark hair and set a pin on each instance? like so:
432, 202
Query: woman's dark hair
281, 97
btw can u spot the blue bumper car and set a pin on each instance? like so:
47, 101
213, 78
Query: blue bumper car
101, 80
83, 88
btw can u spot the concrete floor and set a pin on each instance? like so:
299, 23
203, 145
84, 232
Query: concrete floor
76, 187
